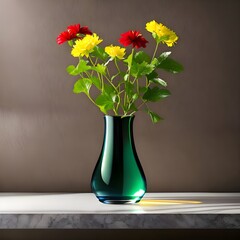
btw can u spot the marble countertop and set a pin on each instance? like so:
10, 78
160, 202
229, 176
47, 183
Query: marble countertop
84, 211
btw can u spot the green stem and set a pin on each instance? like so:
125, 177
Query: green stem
129, 68
147, 83
134, 80
108, 71
101, 77
119, 85
155, 51
144, 102
91, 61
124, 114
93, 64
121, 92
115, 61
112, 84
81, 75
91, 100
88, 75
115, 76
137, 86
115, 111
126, 99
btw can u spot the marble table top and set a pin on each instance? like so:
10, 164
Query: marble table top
84, 211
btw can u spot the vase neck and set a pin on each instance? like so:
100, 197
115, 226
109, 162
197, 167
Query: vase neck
121, 127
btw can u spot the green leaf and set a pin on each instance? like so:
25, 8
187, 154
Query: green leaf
171, 65
154, 116
154, 94
155, 36
163, 38
122, 74
152, 75
82, 85
142, 90
126, 76
105, 102
159, 39
110, 91
71, 70
129, 88
82, 66
141, 56
135, 97
129, 60
97, 82
163, 56
132, 107
159, 81
138, 70
70, 43
99, 53
100, 68
155, 62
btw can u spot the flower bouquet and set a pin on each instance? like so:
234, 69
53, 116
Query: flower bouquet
133, 81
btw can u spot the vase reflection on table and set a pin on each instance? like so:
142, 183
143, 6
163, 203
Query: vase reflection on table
118, 176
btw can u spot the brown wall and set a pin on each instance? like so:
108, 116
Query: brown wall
50, 138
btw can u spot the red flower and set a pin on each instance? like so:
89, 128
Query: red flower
63, 37
73, 31
85, 31
133, 37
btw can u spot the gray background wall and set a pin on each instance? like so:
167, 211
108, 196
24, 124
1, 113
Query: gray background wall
50, 139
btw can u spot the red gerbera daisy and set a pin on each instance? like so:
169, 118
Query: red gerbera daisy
64, 36
73, 31
85, 31
133, 37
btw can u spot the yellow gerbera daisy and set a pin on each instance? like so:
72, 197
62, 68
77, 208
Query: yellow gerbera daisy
152, 26
85, 46
115, 51
164, 34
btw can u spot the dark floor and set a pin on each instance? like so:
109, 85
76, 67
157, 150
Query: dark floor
44, 234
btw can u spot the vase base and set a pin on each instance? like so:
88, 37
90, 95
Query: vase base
118, 200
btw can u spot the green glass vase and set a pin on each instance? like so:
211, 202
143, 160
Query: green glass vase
118, 177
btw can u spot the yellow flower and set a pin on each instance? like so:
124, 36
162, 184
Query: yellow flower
115, 51
85, 46
152, 26
164, 34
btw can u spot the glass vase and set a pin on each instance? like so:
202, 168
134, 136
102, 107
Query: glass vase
118, 177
